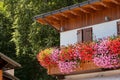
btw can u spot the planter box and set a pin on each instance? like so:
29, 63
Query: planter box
84, 67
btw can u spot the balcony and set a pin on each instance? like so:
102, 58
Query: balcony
87, 57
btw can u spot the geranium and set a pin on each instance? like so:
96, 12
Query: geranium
55, 55
103, 57
67, 67
86, 51
69, 59
68, 53
44, 57
115, 46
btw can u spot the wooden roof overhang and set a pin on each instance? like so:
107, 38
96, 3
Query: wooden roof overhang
9, 76
54, 18
6, 63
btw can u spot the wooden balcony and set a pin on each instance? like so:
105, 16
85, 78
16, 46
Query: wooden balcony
85, 67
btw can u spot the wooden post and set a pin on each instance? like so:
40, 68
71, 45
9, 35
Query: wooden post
1, 76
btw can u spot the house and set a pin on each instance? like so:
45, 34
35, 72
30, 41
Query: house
7, 67
86, 21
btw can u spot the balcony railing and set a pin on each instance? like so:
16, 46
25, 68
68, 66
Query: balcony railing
82, 57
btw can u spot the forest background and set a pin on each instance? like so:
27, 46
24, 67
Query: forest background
21, 38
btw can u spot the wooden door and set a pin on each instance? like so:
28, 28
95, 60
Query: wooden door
87, 35
118, 28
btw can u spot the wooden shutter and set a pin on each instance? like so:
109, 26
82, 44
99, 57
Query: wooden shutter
79, 36
118, 28
87, 35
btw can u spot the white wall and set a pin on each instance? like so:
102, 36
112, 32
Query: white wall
99, 31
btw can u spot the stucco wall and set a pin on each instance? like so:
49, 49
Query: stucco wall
99, 31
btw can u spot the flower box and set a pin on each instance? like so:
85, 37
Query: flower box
84, 67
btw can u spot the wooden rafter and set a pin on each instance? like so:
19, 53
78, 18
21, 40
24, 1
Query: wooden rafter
104, 5
73, 13
52, 18
41, 21
93, 7
113, 1
51, 23
55, 18
61, 17
83, 10
62, 14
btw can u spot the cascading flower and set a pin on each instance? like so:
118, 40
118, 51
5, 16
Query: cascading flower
103, 57
105, 53
86, 51
67, 67
44, 57
55, 55
115, 46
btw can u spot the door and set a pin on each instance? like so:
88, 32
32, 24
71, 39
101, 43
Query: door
87, 35
84, 35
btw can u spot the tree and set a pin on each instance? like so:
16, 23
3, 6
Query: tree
6, 45
30, 37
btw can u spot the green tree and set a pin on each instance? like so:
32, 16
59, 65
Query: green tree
6, 45
31, 37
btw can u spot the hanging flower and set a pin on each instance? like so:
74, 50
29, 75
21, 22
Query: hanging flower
44, 57
67, 67
103, 57
86, 51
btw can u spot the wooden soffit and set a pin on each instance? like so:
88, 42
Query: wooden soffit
54, 18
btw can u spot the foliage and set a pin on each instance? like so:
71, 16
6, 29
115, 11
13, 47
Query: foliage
6, 45
30, 37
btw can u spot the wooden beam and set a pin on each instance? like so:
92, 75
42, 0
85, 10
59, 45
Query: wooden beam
41, 21
1, 74
61, 17
115, 2
83, 10
93, 7
103, 4
55, 17
52, 18
50, 23
73, 13
62, 14
112, 1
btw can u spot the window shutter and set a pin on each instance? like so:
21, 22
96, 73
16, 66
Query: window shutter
118, 28
87, 35
79, 36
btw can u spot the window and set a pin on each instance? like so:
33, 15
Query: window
118, 28
84, 35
